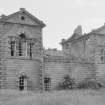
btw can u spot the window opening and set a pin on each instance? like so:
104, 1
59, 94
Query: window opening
12, 48
21, 82
20, 48
30, 50
22, 18
22, 35
47, 83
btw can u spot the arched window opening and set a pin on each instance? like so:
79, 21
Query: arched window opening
47, 83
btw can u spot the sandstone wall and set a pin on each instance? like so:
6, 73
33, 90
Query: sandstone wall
82, 71
56, 68
18, 67
15, 64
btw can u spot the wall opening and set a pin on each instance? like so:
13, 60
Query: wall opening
47, 83
22, 82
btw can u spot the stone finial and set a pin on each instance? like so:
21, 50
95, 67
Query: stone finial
78, 30
22, 9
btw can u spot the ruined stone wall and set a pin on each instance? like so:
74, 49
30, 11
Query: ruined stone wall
94, 52
77, 49
100, 58
90, 48
83, 47
82, 71
56, 68
78, 69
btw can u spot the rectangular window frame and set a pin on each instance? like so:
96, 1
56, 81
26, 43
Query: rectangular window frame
12, 47
20, 48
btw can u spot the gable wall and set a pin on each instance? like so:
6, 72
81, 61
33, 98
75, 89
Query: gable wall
16, 18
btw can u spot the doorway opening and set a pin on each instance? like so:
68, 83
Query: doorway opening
22, 83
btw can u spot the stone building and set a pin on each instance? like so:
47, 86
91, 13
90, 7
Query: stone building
26, 65
91, 48
21, 51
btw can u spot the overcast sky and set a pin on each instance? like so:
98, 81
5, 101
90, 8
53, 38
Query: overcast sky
60, 16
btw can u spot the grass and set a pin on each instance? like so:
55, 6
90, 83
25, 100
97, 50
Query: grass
72, 97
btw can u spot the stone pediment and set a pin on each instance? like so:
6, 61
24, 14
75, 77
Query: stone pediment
22, 17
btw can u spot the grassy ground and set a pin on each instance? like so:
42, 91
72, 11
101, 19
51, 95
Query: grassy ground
75, 97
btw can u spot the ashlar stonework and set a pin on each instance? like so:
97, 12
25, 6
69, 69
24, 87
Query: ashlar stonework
26, 65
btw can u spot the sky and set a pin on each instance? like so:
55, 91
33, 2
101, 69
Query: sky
60, 16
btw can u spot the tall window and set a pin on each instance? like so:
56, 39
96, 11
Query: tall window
47, 83
20, 48
12, 44
30, 52
22, 37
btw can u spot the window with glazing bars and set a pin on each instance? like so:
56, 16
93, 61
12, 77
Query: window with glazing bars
21, 83
20, 48
47, 83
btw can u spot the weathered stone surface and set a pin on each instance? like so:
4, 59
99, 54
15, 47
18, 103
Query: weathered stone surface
82, 56
12, 67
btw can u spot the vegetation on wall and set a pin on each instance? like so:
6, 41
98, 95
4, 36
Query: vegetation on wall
67, 83
89, 84
70, 83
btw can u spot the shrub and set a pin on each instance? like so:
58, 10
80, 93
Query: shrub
89, 84
67, 83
